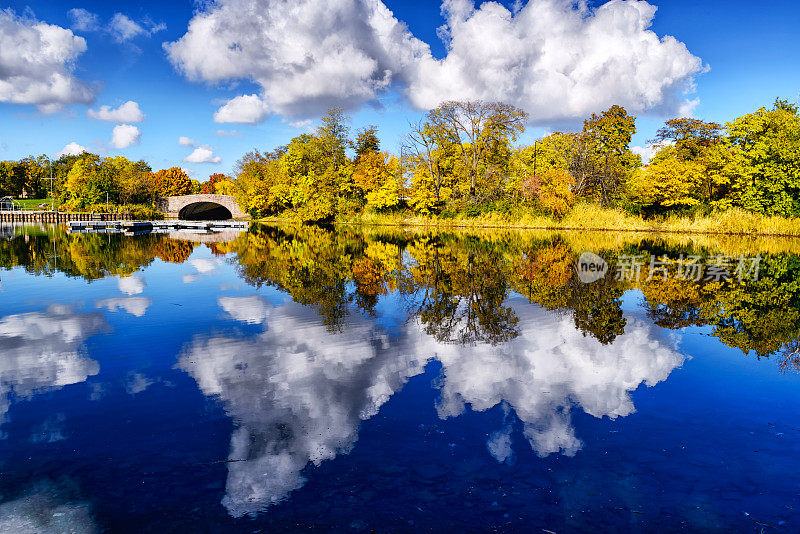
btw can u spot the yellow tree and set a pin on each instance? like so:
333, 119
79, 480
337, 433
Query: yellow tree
478, 129
555, 192
171, 182
668, 182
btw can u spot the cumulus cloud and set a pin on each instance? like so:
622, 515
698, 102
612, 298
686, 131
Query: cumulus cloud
185, 141
83, 20
125, 135
37, 64
202, 154
42, 352
122, 28
297, 392
557, 59
127, 112
246, 109
72, 149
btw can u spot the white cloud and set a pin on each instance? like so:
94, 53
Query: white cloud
298, 392
127, 112
37, 61
557, 59
122, 28
245, 109
83, 20
204, 265
72, 149
125, 135
202, 154
185, 141
228, 133
136, 306
647, 152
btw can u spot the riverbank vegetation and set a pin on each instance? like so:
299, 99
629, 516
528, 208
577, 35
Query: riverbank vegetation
461, 165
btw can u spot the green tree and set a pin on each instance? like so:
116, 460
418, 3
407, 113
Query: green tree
89, 182
609, 135
132, 179
691, 137
763, 172
366, 142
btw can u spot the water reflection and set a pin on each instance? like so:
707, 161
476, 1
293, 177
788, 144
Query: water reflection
315, 330
46, 509
298, 390
41, 351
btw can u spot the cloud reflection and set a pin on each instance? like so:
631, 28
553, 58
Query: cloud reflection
136, 306
131, 285
46, 509
297, 392
42, 351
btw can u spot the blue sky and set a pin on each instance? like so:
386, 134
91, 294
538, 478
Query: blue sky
737, 56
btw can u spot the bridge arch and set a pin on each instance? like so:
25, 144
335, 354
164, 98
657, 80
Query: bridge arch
205, 211
201, 207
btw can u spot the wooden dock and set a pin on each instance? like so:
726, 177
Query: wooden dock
57, 217
139, 227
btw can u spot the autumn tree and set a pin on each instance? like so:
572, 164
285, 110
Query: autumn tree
207, 187
478, 129
261, 187
132, 179
366, 142
171, 182
691, 137
668, 182
89, 181
609, 135
555, 191
428, 147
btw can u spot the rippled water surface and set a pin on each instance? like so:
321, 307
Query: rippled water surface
298, 378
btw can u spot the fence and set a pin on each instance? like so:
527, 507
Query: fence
58, 217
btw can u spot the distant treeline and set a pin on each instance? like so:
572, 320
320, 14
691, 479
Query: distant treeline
86, 181
461, 158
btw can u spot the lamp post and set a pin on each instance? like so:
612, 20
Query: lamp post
52, 200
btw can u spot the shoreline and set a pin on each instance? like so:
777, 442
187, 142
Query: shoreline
732, 223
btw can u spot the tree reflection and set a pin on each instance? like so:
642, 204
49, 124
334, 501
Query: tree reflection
456, 285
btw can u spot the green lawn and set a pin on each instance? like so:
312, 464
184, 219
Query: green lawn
33, 203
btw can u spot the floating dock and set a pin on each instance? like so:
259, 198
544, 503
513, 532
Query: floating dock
142, 227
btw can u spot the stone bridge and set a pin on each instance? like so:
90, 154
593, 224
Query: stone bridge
201, 207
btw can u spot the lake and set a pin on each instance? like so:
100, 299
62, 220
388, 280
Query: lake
388, 380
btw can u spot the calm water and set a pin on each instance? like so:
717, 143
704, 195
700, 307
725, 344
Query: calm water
291, 379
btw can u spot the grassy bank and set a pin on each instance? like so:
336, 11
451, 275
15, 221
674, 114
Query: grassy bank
596, 218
